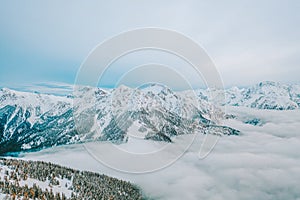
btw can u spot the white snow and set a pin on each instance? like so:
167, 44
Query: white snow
265, 95
3, 196
37, 104
42, 184
45, 185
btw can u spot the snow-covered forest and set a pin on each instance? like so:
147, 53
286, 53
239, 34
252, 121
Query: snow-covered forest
26, 180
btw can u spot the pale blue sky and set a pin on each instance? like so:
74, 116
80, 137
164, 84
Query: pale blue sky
249, 41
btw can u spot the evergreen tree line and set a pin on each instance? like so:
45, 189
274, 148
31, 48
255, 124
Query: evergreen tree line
84, 185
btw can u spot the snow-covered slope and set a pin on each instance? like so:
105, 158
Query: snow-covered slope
21, 179
29, 119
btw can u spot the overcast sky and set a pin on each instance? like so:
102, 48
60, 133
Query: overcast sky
249, 41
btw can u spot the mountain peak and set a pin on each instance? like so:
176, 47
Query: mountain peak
268, 83
156, 89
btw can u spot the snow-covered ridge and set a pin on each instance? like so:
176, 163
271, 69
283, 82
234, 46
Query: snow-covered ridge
35, 103
265, 95
34, 121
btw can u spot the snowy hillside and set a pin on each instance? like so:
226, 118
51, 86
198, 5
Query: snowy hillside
41, 180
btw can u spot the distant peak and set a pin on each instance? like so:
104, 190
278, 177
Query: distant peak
268, 83
156, 88
122, 88
4, 89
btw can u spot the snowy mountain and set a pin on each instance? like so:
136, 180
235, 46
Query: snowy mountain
265, 95
31, 121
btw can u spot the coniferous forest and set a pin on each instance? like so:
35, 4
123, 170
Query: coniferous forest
18, 180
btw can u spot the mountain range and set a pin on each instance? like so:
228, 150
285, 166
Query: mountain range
31, 121
265, 95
